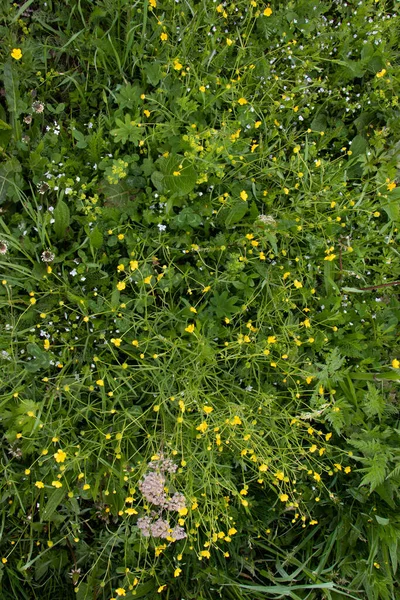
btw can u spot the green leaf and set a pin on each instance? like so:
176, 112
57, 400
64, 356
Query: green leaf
11, 85
41, 359
393, 210
358, 145
224, 304
319, 123
127, 130
153, 72
96, 238
62, 218
382, 520
50, 507
183, 183
81, 141
187, 217
375, 472
157, 179
236, 213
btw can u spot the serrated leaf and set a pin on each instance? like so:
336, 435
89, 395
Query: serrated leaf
62, 218
376, 471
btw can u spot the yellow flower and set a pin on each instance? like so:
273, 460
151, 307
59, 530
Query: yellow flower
131, 511
161, 588
381, 73
4, 560
147, 279
206, 289
164, 37
135, 343
263, 468
202, 89
16, 53
177, 65
347, 469
229, 42
391, 186
116, 341
192, 309
60, 456
280, 475
271, 339
395, 363
100, 382
56, 484
39, 484
208, 409
243, 195
202, 427
296, 149
177, 572
267, 12
313, 448
120, 236
86, 486
328, 437
205, 554
257, 124
297, 284
236, 420
242, 101
283, 497
121, 267
190, 328
153, 4
121, 285
121, 591
330, 257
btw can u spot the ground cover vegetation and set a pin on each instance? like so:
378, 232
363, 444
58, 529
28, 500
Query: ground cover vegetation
199, 212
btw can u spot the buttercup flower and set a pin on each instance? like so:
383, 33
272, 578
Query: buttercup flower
16, 53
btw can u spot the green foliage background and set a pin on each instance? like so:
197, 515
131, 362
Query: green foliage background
199, 259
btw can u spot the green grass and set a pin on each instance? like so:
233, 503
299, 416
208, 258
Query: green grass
199, 264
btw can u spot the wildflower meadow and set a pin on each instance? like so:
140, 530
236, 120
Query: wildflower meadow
199, 299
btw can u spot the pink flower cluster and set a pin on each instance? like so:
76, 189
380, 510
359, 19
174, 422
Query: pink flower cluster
153, 488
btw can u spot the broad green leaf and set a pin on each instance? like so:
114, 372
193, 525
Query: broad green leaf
358, 145
236, 213
153, 72
62, 218
96, 238
179, 176
80, 138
